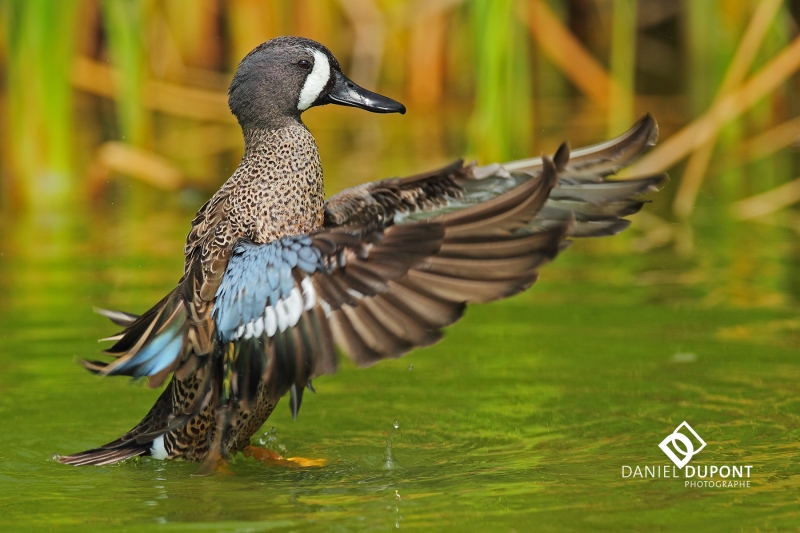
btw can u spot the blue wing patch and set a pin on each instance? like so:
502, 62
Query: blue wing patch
259, 292
155, 356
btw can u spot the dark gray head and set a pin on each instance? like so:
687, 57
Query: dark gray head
283, 77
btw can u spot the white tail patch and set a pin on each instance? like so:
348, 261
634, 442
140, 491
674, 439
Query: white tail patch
157, 450
316, 80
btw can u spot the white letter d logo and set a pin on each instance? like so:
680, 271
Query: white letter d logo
687, 449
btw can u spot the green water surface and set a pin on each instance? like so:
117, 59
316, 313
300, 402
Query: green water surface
520, 420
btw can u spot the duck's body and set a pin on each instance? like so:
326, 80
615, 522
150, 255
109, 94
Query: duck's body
275, 276
277, 191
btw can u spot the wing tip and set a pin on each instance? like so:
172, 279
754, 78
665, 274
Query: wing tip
649, 124
595, 228
120, 318
561, 157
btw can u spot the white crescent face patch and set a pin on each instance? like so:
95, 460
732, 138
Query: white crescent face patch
316, 80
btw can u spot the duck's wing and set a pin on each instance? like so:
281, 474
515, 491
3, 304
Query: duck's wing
584, 190
178, 333
375, 203
592, 163
376, 292
175, 335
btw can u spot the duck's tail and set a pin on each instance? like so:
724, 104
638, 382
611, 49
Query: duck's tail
106, 455
144, 439
140, 351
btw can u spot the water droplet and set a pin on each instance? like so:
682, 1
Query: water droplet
411, 367
389, 462
268, 437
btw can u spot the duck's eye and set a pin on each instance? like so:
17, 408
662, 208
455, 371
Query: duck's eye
304, 64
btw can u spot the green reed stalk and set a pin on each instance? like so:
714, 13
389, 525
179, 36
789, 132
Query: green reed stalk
40, 38
502, 119
776, 169
124, 23
622, 66
550, 82
703, 32
713, 35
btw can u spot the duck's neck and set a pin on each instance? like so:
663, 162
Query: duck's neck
256, 135
280, 181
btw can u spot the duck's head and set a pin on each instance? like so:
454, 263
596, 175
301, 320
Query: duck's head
283, 77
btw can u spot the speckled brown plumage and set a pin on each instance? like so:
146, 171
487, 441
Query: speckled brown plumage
192, 441
276, 191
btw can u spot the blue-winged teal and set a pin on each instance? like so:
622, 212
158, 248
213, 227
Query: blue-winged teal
275, 276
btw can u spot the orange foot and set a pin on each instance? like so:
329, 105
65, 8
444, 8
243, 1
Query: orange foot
274, 458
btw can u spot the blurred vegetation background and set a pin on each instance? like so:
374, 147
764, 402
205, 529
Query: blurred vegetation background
111, 109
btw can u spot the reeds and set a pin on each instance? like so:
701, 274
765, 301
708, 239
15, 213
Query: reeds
39, 40
162, 66
502, 117
622, 65
125, 30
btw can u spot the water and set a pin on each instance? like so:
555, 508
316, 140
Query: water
521, 418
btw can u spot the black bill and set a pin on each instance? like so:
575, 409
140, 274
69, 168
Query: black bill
345, 92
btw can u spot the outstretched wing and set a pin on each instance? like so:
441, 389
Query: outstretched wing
377, 292
584, 191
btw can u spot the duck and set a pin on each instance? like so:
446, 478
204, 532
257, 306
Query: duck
276, 277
